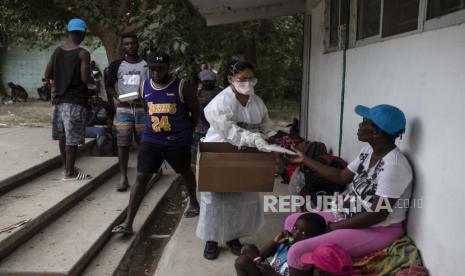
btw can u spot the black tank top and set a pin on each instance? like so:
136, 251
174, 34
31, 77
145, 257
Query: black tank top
67, 75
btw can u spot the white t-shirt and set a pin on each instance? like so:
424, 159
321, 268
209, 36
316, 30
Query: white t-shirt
131, 76
390, 177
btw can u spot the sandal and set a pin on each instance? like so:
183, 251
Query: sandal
80, 176
123, 228
76, 170
192, 212
123, 188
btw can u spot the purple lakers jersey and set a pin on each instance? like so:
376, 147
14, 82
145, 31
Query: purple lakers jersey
168, 119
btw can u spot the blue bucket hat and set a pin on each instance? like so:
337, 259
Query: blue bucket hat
388, 118
77, 24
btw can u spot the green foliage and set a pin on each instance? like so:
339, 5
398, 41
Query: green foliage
275, 46
174, 26
171, 27
29, 23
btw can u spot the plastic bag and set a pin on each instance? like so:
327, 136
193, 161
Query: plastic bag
297, 182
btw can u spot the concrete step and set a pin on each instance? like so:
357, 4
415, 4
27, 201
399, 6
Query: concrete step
23, 165
185, 247
29, 208
110, 257
66, 245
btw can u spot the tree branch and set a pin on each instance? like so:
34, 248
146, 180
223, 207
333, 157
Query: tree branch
131, 29
104, 6
143, 6
122, 8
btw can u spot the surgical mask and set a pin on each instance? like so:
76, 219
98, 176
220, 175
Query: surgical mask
245, 87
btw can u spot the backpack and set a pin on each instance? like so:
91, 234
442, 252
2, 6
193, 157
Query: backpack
316, 184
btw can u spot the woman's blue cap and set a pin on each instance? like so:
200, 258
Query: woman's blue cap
388, 118
77, 24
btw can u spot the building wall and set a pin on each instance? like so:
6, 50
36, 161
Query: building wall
424, 75
27, 67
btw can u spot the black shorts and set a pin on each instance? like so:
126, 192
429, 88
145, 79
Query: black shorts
151, 156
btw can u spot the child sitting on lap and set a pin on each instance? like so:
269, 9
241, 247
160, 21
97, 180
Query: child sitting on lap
253, 261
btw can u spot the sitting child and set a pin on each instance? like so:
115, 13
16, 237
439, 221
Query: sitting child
18, 93
330, 260
254, 262
99, 117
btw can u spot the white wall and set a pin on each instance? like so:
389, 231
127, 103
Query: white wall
27, 67
424, 75
325, 87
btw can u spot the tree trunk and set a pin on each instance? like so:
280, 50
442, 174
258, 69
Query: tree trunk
111, 43
2, 59
250, 52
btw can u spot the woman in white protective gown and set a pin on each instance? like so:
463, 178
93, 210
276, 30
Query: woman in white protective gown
237, 116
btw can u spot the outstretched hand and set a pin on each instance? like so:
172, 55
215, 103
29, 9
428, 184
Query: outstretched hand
298, 158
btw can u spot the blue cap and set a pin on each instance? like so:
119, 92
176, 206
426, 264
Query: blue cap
77, 24
388, 118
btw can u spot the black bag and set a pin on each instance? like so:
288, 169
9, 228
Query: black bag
315, 184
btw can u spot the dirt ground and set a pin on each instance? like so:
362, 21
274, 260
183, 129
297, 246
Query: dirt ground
33, 113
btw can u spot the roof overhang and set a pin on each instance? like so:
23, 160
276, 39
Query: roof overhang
218, 12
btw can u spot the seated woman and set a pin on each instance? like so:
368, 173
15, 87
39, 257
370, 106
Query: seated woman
253, 262
379, 177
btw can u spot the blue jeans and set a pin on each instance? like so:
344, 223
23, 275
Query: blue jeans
101, 135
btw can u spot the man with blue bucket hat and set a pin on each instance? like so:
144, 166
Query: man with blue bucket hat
380, 179
69, 71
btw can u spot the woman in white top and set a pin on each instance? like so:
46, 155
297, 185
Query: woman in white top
378, 184
237, 116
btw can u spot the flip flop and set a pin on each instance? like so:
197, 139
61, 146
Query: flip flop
76, 170
123, 188
192, 212
80, 176
123, 228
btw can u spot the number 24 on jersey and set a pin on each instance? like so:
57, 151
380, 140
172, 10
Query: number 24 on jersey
159, 124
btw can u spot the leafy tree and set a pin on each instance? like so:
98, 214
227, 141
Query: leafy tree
39, 23
174, 26
274, 45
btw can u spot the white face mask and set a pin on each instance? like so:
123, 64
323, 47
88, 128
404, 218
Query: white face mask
245, 87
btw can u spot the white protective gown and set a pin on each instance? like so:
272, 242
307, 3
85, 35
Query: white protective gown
227, 216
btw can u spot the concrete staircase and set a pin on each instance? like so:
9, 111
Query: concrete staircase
52, 227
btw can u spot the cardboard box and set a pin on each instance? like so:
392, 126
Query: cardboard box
222, 167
